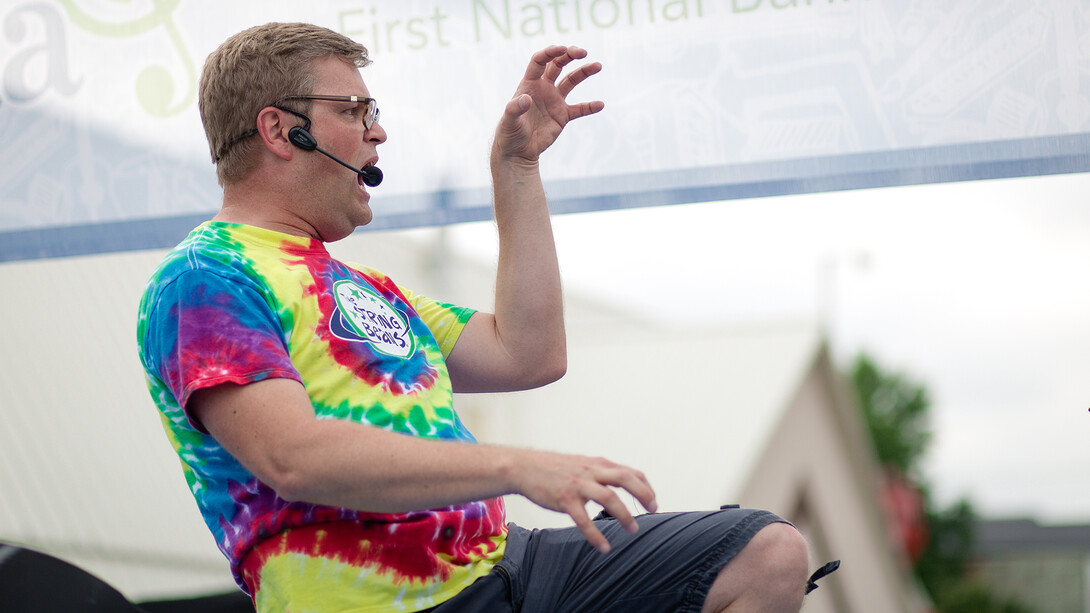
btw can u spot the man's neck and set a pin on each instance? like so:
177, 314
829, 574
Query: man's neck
262, 209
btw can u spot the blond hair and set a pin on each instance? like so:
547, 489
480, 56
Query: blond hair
252, 70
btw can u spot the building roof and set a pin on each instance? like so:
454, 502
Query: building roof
1024, 535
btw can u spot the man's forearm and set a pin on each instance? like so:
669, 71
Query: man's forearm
373, 470
394, 473
529, 306
269, 426
522, 344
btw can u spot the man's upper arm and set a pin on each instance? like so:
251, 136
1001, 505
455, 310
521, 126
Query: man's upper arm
205, 331
476, 360
260, 424
479, 362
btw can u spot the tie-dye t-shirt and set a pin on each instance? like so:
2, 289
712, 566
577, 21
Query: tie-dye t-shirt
239, 304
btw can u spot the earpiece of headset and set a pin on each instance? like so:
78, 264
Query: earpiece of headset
302, 138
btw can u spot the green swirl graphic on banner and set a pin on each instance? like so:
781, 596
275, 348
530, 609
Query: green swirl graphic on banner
154, 84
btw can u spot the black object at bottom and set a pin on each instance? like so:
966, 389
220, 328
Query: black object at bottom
34, 582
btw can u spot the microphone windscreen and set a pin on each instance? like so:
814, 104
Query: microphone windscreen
372, 176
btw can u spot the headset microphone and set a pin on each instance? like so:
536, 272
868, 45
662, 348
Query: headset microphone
302, 138
372, 176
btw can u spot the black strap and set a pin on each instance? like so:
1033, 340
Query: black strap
829, 568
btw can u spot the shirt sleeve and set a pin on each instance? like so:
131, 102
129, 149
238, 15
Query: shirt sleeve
446, 321
206, 330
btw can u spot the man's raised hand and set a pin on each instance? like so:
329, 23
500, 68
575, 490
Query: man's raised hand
538, 112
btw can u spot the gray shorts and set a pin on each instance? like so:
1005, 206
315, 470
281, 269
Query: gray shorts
668, 565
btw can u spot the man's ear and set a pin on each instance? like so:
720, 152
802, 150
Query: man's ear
272, 127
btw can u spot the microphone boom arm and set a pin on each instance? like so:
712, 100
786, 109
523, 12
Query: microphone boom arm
372, 176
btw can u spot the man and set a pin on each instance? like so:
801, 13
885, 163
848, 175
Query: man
310, 401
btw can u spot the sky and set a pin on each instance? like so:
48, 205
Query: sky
980, 291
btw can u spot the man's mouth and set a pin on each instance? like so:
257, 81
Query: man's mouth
369, 175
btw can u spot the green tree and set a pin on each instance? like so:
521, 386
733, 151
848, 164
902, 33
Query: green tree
943, 565
896, 413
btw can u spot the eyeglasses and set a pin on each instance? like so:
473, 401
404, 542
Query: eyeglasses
370, 105
370, 116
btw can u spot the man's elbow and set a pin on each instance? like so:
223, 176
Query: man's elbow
286, 485
286, 478
291, 487
546, 371
558, 368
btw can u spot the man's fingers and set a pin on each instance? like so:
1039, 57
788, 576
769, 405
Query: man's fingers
616, 508
541, 60
576, 77
641, 488
565, 483
575, 111
556, 66
635, 483
550, 62
596, 539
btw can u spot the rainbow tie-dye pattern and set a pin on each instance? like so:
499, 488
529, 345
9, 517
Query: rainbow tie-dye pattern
240, 304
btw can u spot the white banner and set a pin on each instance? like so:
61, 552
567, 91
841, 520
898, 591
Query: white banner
103, 148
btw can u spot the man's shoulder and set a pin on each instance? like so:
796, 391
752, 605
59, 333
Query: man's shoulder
206, 251
203, 249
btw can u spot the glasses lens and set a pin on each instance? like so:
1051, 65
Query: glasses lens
370, 115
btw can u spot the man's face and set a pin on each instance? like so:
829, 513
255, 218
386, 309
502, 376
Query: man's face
337, 200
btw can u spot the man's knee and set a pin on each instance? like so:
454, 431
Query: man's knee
783, 551
784, 566
768, 574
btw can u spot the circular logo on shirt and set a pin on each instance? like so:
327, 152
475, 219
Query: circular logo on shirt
365, 316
